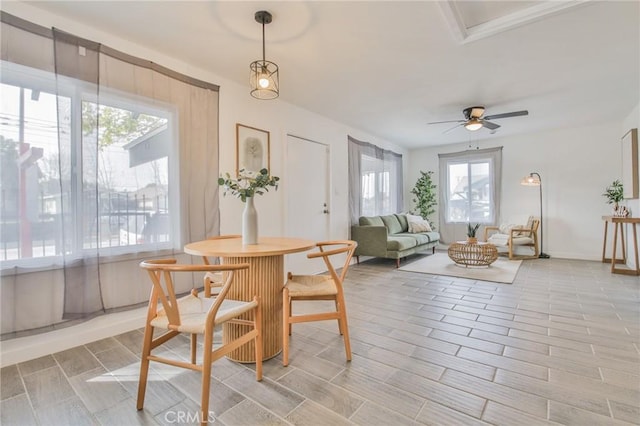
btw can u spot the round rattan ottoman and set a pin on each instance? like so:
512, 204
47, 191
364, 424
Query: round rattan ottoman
472, 254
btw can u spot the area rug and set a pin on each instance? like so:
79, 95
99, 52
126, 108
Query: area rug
500, 271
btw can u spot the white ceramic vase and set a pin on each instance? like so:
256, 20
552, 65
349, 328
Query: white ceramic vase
249, 223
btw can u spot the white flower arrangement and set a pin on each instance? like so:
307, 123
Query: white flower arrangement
248, 183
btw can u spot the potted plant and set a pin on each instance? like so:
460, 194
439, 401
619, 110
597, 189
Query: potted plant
246, 187
471, 233
426, 196
614, 194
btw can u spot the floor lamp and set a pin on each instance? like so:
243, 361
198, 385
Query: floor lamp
534, 179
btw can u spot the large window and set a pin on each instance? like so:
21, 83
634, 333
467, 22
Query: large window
378, 186
470, 191
375, 180
98, 169
470, 185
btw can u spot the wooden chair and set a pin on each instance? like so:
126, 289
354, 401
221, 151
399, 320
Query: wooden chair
214, 279
519, 236
194, 314
318, 287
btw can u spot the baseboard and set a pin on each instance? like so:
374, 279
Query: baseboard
23, 349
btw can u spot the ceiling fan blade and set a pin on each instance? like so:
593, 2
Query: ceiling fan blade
489, 125
453, 128
449, 121
506, 115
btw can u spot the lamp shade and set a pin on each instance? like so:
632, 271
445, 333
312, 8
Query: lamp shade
264, 79
531, 180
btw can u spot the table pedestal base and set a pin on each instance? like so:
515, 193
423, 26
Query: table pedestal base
264, 278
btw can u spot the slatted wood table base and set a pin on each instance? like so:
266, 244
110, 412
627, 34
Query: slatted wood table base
476, 254
264, 278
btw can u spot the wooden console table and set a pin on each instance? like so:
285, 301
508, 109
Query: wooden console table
617, 224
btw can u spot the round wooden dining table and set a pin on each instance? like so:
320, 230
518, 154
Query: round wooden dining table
264, 278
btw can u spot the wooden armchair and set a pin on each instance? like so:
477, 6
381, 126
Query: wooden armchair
319, 287
522, 236
195, 314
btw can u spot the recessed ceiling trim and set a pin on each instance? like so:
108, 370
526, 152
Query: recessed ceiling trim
463, 34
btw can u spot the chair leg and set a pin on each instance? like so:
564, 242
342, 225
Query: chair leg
206, 377
286, 326
342, 321
397, 262
339, 322
358, 260
290, 310
207, 288
144, 366
194, 345
258, 340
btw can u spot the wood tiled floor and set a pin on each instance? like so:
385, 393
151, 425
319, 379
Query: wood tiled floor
561, 345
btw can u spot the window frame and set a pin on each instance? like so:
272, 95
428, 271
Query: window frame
79, 91
382, 167
469, 200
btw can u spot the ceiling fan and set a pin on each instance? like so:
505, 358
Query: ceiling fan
474, 119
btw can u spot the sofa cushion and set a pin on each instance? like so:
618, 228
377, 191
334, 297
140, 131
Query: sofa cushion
392, 223
422, 237
403, 222
396, 243
371, 221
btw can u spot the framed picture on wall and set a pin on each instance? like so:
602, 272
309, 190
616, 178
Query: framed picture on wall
252, 149
630, 178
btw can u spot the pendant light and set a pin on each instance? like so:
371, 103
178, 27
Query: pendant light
264, 77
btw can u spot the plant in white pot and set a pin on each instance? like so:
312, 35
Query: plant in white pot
246, 186
614, 195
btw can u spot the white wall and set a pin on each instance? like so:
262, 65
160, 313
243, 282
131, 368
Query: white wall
22, 305
576, 166
280, 118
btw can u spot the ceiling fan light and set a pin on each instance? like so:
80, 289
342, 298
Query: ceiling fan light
473, 125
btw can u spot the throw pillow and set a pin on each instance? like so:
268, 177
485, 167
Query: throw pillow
418, 224
506, 228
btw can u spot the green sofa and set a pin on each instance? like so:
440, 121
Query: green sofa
389, 237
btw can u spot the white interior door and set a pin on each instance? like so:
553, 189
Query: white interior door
308, 208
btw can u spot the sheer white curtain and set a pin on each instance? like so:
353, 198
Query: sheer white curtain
375, 180
117, 160
470, 188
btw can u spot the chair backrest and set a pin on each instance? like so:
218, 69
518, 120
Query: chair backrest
163, 290
530, 229
332, 248
205, 259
